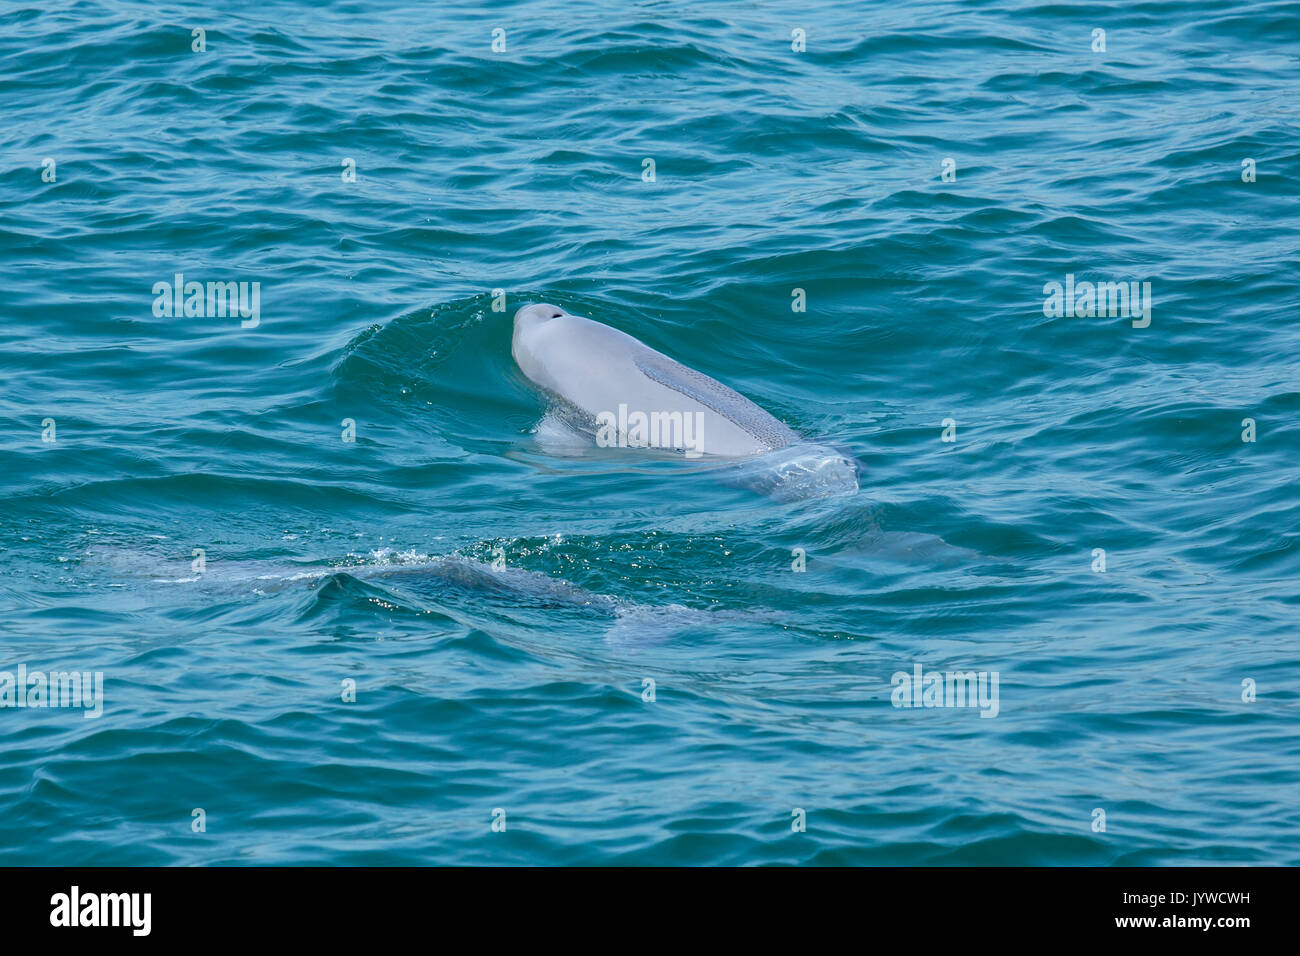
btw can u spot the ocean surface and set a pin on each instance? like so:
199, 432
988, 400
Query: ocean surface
348, 609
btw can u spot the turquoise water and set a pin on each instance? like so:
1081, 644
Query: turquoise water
500, 606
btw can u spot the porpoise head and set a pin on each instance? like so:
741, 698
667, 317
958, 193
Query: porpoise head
528, 320
535, 313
